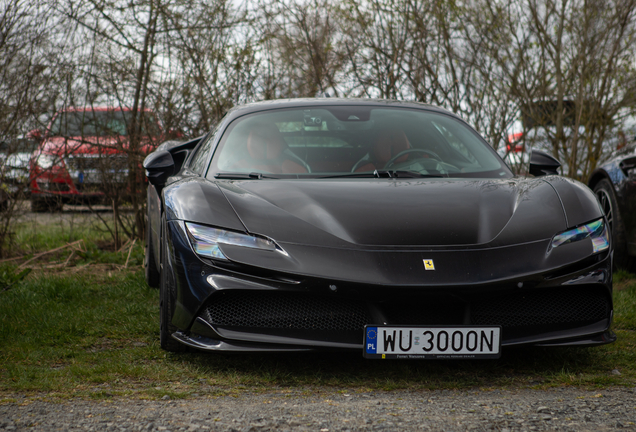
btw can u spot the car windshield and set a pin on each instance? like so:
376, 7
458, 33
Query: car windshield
355, 141
100, 123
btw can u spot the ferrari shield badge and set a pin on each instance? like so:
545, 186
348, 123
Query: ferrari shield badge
428, 264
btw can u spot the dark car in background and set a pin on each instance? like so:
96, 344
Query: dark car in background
614, 183
536, 129
387, 227
83, 151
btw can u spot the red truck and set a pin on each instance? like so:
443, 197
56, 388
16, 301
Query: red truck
84, 152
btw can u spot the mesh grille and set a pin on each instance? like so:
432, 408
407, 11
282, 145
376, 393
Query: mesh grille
529, 309
422, 311
57, 187
92, 162
277, 310
299, 311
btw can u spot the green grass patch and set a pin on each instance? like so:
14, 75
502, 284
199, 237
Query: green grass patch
42, 232
96, 335
40, 235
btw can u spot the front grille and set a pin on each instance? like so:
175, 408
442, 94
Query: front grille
53, 186
518, 313
90, 188
422, 311
84, 163
59, 187
574, 305
89, 172
285, 310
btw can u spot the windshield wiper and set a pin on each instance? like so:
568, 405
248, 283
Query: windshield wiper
385, 174
354, 175
243, 176
374, 174
408, 174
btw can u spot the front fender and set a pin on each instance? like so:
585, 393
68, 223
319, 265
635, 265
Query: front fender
194, 199
579, 202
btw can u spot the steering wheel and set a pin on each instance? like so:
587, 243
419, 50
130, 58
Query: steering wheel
408, 151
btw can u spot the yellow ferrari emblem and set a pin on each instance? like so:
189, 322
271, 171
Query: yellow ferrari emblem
428, 264
383, 356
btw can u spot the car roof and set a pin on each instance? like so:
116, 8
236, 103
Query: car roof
327, 101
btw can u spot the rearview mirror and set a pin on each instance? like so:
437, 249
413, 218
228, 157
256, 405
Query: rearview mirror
159, 165
541, 163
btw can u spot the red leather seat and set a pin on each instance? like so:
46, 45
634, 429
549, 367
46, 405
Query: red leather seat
269, 152
387, 145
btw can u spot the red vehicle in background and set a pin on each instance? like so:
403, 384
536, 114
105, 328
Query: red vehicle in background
84, 153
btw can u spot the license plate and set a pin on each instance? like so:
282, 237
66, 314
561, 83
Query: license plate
432, 342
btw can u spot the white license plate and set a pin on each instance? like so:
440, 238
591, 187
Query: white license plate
432, 342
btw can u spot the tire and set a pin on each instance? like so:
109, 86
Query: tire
605, 194
150, 262
39, 205
166, 301
46, 205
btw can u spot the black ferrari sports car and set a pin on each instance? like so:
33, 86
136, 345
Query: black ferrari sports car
614, 183
387, 227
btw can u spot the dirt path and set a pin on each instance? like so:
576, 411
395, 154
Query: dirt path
328, 410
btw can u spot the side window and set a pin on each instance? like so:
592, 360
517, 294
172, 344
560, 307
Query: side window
197, 164
201, 156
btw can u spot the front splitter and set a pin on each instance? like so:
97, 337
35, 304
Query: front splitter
208, 344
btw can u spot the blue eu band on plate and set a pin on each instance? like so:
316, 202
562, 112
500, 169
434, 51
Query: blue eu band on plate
462, 342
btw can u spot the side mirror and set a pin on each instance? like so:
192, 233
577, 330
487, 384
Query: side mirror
628, 166
35, 135
542, 164
159, 165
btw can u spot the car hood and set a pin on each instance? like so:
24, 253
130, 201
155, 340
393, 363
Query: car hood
384, 213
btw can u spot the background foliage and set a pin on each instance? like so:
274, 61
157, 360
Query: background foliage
190, 61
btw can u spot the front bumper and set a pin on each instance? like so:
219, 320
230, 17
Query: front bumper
80, 179
66, 191
226, 307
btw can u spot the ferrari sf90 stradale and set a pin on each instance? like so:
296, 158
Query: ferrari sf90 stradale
391, 228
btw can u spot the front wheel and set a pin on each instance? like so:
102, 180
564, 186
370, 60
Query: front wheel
166, 298
605, 194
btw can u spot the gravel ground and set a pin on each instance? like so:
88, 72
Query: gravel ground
328, 410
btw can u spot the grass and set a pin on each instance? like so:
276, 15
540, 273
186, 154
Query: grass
44, 232
94, 333
41, 232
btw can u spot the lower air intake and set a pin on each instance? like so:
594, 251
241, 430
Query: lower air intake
563, 306
285, 310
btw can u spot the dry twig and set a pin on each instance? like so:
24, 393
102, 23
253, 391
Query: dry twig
12, 259
129, 251
124, 246
69, 258
79, 243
